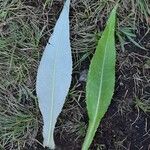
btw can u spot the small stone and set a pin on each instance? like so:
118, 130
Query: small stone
83, 76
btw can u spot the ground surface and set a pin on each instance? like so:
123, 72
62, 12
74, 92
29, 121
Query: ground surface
25, 27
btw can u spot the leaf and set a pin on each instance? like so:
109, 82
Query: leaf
101, 79
54, 75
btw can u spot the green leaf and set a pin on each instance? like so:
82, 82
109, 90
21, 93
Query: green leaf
54, 76
101, 79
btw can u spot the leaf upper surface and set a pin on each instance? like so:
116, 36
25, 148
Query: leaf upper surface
101, 79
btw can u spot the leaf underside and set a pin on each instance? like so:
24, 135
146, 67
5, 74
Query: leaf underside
101, 79
54, 76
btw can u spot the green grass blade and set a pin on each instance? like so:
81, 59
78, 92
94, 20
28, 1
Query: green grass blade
101, 79
135, 43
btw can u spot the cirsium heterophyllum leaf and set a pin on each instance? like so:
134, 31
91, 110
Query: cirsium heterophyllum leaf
101, 79
54, 75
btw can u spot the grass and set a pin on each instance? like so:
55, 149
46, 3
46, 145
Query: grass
19, 53
18, 125
24, 29
143, 105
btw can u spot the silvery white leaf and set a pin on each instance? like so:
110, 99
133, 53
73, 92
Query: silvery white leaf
54, 75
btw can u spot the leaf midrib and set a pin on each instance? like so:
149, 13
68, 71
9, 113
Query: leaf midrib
53, 83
